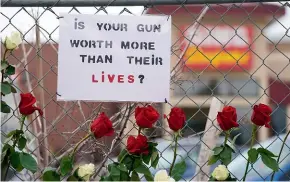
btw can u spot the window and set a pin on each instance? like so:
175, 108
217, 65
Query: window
279, 119
225, 86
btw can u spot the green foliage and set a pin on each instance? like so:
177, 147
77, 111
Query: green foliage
178, 170
130, 166
253, 155
266, 152
22, 142
135, 176
51, 175
4, 107
15, 161
213, 159
28, 162
270, 162
222, 153
66, 165
5, 88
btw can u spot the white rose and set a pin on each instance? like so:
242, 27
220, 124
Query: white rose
85, 171
220, 173
163, 176
12, 41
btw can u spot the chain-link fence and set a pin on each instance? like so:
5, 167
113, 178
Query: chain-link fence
237, 52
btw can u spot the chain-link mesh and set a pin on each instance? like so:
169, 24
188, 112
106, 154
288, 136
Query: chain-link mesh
237, 53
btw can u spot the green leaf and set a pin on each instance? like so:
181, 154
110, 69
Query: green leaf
128, 161
122, 167
4, 107
21, 143
266, 152
115, 173
213, 159
111, 165
154, 155
124, 176
226, 155
135, 176
4, 65
233, 142
72, 178
28, 162
5, 88
66, 165
253, 155
270, 162
146, 158
13, 90
217, 150
15, 161
137, 162
149, 177
122, 155
106, 178
178, 170
10, 70
152, 144
52, 175
143, 170
155, 162
11, 133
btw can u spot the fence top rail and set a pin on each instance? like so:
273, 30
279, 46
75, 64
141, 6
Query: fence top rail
68, 3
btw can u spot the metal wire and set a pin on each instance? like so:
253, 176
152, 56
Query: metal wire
65, 123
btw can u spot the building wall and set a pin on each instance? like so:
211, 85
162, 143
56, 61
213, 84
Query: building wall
269, 60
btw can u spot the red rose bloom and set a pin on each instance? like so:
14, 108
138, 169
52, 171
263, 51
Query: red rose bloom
102, 126
138, 145
26, 104
176, 119
261, 115
146, 116
227, 119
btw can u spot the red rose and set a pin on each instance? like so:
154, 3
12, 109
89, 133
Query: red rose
102, 126
176, 119
26, 105
146, 116
261, 115
138, 145
227, 119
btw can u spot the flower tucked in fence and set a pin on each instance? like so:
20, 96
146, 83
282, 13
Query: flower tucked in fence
146, 116
138, 145
26, 105
220, 173
102, 126
176, 119
13, 41
227, 119
162, 175
85, 171
261, 115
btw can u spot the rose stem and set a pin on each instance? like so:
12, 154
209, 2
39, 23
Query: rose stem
139, 130
284, 141
81, 141
226, 138
174, 157
251, 146
14, 143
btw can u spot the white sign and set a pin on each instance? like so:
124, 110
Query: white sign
114, 58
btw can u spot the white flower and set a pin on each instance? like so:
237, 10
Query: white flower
12, 41
220, 173
86, 170
163, 176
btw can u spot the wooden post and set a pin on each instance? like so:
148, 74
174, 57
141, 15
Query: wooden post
209, 141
